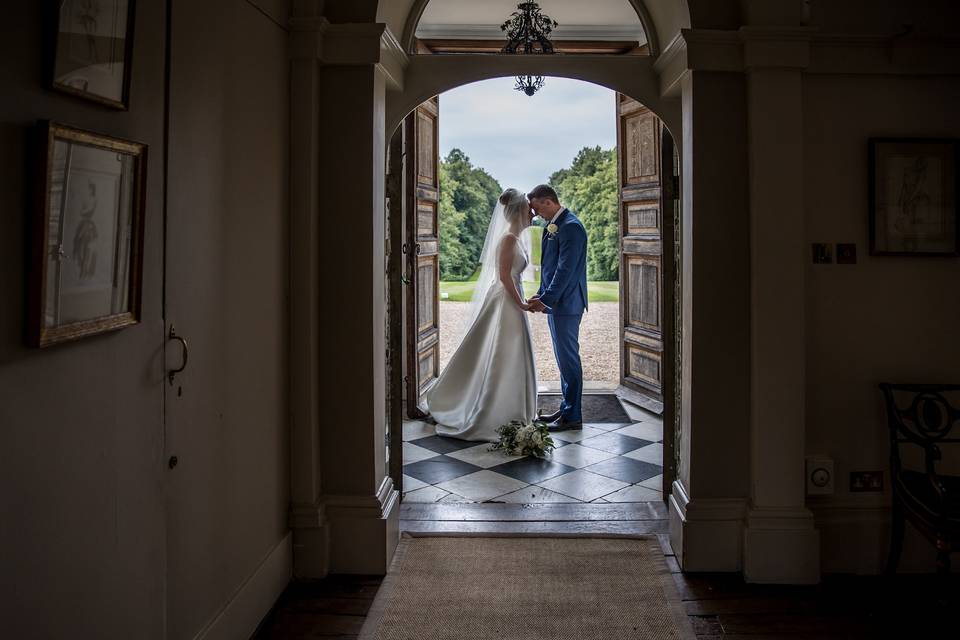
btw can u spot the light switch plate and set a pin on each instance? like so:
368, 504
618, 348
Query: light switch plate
822, 253
820, 481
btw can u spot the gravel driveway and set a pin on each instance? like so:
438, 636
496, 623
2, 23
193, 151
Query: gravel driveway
599, 341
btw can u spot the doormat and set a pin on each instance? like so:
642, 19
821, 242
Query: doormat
527, 588
602, 408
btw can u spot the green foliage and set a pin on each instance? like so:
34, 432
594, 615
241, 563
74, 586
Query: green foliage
589, 187
468, 195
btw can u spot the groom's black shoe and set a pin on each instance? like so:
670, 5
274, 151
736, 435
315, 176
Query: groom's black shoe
550, 417
563, 425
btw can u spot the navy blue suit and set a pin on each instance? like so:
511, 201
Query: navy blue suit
563, 290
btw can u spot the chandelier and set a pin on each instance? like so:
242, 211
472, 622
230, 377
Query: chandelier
528, 31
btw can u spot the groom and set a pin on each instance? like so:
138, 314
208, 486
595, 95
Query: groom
563, 296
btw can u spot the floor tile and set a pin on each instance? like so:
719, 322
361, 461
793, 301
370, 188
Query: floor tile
452, 498
439, 469
626, 469
643, 430
412, 484
652, 453
426, 494
634, 493
482, 485
442, 444
413, 453
583, 485
535, 495
599, 501
606, 426
576, 435
614, 443
533, 470
656, 482
415, 429
578, 456
482, 456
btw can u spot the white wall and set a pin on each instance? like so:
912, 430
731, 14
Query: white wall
885, 319
81, 474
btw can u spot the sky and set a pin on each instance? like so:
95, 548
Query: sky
521, 140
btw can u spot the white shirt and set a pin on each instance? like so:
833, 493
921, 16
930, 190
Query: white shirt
553, 220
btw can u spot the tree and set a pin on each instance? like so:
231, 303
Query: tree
468, 195
589, 187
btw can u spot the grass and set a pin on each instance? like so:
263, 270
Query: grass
596, 291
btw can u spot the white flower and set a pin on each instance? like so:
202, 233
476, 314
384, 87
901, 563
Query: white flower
552, 228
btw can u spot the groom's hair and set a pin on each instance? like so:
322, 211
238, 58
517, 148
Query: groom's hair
544, 191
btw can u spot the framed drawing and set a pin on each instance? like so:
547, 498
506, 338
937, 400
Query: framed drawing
913, 196
93, 48
87, 254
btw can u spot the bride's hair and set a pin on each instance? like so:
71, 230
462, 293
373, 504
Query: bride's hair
514, 202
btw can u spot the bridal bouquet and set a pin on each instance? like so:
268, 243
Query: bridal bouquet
518, 438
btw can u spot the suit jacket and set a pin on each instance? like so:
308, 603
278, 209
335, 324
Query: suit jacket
563, 267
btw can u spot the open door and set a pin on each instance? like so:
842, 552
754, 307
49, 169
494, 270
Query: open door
641, 249
422, 249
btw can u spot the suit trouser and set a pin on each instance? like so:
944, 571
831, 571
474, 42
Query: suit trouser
565, 331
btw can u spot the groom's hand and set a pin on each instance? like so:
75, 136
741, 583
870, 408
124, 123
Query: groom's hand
535, 305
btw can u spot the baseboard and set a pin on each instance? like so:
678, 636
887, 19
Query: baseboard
705, 533
242, 614
781, 545
364, 531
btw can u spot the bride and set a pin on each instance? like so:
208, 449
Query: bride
490, 379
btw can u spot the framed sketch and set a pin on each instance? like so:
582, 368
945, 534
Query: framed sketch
86, 266
913, 197
93, 48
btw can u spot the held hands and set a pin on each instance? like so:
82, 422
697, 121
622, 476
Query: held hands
534, 305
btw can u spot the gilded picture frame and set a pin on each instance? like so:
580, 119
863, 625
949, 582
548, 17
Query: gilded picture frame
913, 203
86, 267
92, 50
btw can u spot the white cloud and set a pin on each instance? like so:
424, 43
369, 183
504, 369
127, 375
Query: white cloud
521, 140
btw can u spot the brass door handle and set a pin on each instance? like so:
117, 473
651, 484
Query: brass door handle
186, 353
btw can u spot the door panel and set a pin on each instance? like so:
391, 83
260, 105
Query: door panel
641, 263
226, 293
422, 247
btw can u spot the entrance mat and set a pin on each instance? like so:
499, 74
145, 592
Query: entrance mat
605, 408
527, 588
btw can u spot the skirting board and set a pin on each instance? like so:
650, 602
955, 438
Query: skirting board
240, 617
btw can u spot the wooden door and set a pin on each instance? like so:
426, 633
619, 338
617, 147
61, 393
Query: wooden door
226, 413
422, 248
641, 249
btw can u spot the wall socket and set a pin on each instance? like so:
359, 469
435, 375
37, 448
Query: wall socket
819, 475
861, 481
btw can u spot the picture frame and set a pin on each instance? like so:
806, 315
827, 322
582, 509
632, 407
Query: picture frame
92, 50
86, 266
913, 196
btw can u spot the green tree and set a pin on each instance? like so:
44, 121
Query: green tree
468, 195
589, 187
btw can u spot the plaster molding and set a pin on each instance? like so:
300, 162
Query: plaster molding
246, 608
364, 505
705, 532
393, 59
612, 32
776, 47
781, 545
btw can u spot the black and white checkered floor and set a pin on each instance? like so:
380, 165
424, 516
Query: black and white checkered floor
601, 463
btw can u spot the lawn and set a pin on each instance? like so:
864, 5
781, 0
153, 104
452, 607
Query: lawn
596, 291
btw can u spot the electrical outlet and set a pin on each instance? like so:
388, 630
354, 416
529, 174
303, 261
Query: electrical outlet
819, 475
822, 253
866, 481
846, 253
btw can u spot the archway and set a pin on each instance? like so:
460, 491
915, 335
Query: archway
639, 204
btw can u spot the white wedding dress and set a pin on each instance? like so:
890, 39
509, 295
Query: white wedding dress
491, 378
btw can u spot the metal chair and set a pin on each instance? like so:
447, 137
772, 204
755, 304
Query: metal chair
923, 416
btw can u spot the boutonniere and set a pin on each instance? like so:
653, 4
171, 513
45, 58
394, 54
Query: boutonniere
552, 229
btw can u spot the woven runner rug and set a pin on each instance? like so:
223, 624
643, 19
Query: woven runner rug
527, 588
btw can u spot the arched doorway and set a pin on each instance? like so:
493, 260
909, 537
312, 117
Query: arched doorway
648, 204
